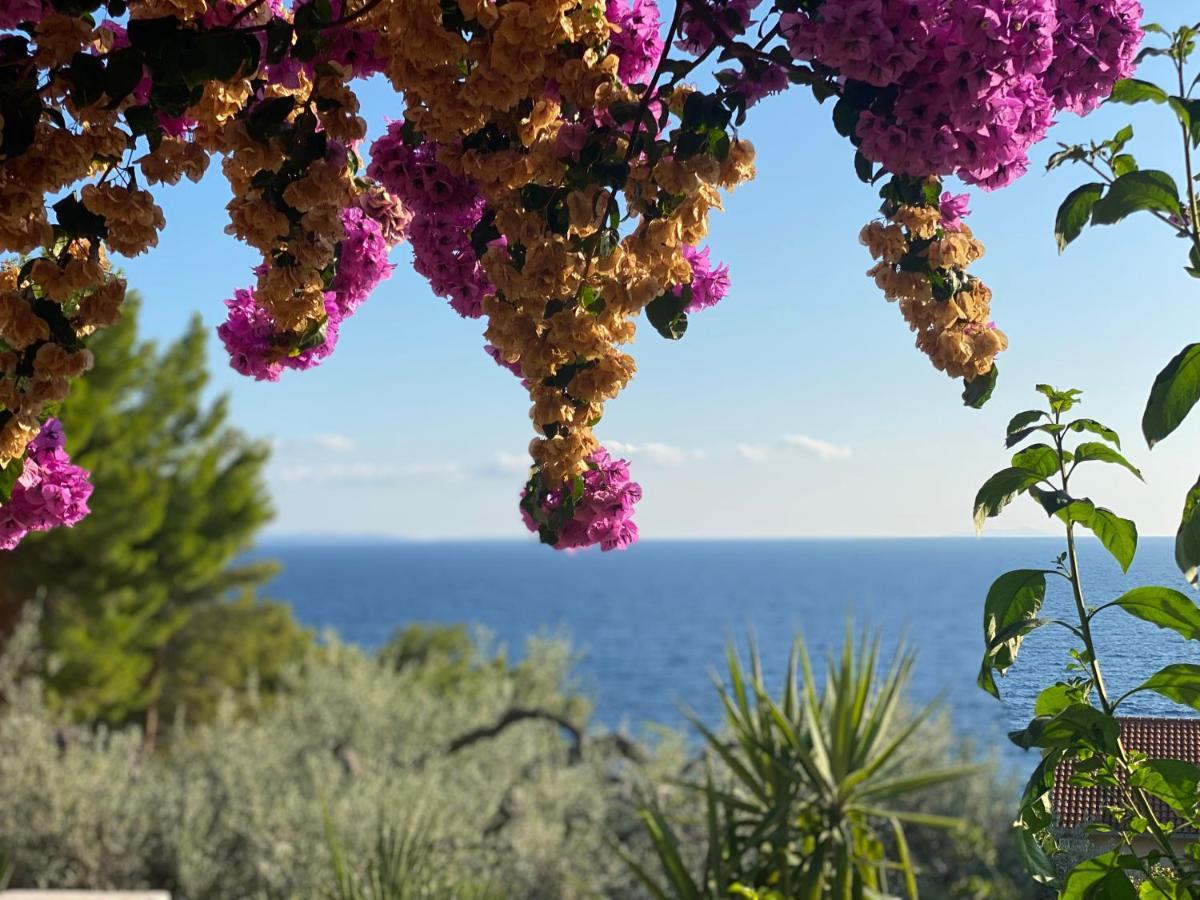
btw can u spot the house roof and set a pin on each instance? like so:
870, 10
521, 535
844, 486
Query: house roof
1157, 738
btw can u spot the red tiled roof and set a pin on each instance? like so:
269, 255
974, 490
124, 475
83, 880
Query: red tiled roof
1157, 738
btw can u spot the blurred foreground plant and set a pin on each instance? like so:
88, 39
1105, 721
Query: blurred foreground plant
403, 866
809, 802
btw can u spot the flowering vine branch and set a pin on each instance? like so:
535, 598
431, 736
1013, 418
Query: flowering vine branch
547, 175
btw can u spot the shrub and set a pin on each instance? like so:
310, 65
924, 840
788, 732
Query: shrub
236, 807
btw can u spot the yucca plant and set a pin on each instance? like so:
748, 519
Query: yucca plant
403, 867
800, 792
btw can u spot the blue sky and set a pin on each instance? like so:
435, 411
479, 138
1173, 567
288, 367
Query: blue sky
797, 407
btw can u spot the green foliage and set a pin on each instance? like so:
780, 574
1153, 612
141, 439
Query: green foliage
1125, 189
447, 650
237, 807
316, 794
1035, 467
1076, 720
403, 866
1174, 393
979, 389
1009, 613
804, 791
1163, 607
1187, 538
1179, 682
178, 497
230, 650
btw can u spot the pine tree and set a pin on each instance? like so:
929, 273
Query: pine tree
179, 496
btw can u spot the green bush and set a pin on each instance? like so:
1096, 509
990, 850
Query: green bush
235, 807
385, 778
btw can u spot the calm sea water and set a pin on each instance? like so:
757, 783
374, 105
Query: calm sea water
652, 622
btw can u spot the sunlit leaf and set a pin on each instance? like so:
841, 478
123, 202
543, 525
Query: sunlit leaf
1187, 538
1175, 782
999, 490
1091, 451
1174, 393
1075, 212
1163, 607
1134, 90
1179, 682
1144, 190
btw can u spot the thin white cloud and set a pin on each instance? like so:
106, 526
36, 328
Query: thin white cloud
755, 452
654, 452
792, 444
503, 465
329, 442
819, 448
335, 443
371, 472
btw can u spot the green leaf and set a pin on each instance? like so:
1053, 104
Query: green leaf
1067, 154
1119, 536
1013, 599
1035, 816
1023, 420
1016, 437
86, 77
8, 478
1057, 697
1051, 501
1097, 452
1163, 607
1060, 401
1187, 538
1075, 212
1174, 393
978, 390
1076, 725
1094, 427
1175, 782
1179, 682
1188, 113
124, 70
1033, 857
999, 490
1035, 813
1040, 458
1123, 164
1145, 189
666, 313
1120, 139
1134, 90
1113, 886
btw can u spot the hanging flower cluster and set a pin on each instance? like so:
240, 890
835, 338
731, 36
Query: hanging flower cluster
250, 335
48, 491
563, 218
924, 248
965, 86
551, 168
593, 508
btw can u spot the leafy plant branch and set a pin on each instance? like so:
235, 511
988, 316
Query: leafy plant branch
1069, 726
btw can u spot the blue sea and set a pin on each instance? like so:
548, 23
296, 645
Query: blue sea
651, 623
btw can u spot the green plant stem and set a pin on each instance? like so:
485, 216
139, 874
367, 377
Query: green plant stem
1136, 796
1194, 223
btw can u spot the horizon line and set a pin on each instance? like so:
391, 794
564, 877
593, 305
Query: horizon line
502, 539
